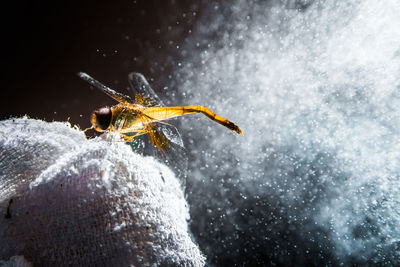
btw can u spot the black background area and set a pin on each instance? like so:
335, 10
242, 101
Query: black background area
45, 43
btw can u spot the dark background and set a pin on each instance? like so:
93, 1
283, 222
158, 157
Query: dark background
45, 43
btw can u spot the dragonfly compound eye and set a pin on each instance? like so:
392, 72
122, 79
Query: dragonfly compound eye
101, 118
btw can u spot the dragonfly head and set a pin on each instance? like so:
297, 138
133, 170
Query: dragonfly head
101, 119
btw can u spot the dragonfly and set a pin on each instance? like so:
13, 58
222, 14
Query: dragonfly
146, 115
140, 116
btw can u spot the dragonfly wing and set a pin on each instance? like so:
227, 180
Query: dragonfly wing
157, 137
172, 151
145, 102
117, 96
163, 135
140, 86
171, 133
175, 157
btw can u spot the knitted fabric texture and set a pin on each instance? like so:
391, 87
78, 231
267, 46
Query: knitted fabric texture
69, 201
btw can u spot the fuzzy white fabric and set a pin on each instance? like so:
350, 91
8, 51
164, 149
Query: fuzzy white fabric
79, 202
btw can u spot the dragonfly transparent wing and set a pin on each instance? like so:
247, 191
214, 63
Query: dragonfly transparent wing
175, 154
117, 96
140, 86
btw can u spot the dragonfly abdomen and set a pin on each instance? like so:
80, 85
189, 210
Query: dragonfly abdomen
163, 113
211, 115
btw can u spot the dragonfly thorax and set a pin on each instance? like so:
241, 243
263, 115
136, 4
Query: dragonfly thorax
127, 116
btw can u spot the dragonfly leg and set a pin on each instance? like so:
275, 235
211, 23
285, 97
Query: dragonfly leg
130, 138
87, 129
